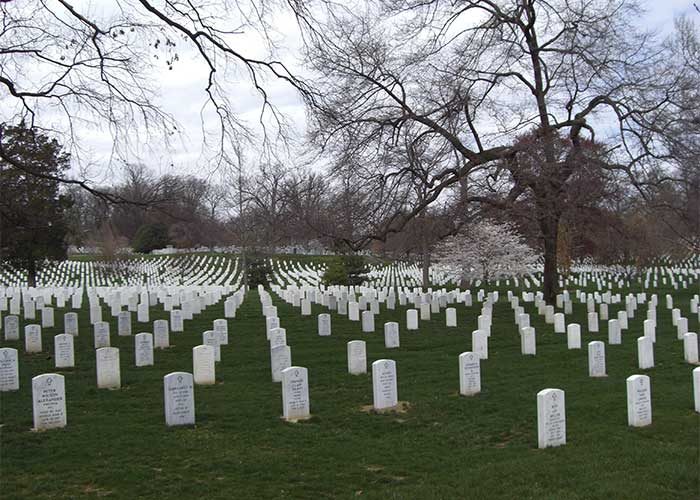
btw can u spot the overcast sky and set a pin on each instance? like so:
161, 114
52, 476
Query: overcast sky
181, 92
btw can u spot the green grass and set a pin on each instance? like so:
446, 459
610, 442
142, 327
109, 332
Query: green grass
116, 444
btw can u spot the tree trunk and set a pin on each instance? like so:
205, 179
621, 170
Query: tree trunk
31, 273
549, 226
426, 266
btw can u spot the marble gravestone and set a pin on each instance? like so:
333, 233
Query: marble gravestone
411, 319
47, 317
108, 370
9, 369
176, 321
280, 360
143, 349
161, 334
480, 344
357, 357
63, 351
367, 321
551, 418
70, 323
221, 328
690, 348
278, 337
645, 353
391, 335
49, 401
596, 359
450, 317
211, 338
124, 323
469, 374
638, 401
32, 338
295, 393
384, 387
573, 336
178, 395
324, 325
203, 365
101, 334
614, 332
528, 343
11, 324
696, 388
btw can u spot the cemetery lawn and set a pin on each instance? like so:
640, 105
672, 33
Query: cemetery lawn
116, 444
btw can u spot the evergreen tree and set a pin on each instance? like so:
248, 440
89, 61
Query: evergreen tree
32, 223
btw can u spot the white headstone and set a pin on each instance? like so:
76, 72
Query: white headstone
211, 338
559, 323
63, 351
143, 349
690, 348
451, 317
49, 401
614, 332
177, 321
11, 327
32, 338
391, 335
551, 418
47, 317
528, 343
573, 336
295, 393
696, 388
367, 321
638, 401
108, 370
221, 329
645, 353
280, 360
357, 357
203, 365
411, 319
480, 344
385, 394
101, 334
70, 323
324, 325
161, 334
596, 359
9, 369
178, 394
469, 374
593, 322
278, 337
124, 323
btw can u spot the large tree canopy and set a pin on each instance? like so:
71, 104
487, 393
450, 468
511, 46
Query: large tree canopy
32, 223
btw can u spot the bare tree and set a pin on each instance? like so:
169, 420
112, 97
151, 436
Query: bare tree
471, 77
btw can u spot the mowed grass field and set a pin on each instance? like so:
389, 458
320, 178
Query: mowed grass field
116, 444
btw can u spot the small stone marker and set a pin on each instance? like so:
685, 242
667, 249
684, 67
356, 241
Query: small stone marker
306, 307
391, 335
143, 349
108, 370
614, 332
367, 321
32, 338
161, 334
178, 394
451, 317
9, 369
11, 327
593, 322
385, 394
211, 338
63, 351
271, 322
690, 348
573, 336
203, 365
559, 323
469, 374
176, 321
650, 329
551, 418
280, 360
295, 393
596, 359
411, 319
638, 401
324, 325
124, 323
645, 353
528, 343
357, 357
101, 334
278, 337
47, 317
70, 323
221, 329
49, 401
480, 344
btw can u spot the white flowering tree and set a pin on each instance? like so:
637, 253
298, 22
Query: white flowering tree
487, 250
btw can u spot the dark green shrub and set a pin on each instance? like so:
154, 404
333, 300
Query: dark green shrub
150, 237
